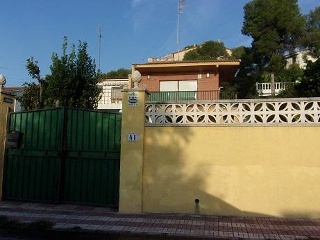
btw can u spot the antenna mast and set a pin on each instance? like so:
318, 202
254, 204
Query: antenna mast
180, 7
100, 36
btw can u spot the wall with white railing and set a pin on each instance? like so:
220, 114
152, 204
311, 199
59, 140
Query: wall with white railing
243, 157
236, 112
264, 89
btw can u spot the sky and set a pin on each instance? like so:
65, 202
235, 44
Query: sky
131, 30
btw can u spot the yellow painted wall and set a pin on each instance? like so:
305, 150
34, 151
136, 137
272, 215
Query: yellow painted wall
272, 171
131, 164
4, 109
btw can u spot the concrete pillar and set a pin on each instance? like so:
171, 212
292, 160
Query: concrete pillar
132, 143
6, 104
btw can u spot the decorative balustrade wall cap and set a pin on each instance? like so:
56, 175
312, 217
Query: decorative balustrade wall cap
253, 112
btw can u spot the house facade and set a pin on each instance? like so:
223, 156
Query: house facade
300, 58
17, 92
187, 76
111, 94
176, 56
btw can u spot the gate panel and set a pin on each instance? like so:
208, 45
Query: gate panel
92, 162
65, 155
32, 179
32, 169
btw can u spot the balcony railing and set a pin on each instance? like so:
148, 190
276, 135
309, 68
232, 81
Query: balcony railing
189, 95
264, 89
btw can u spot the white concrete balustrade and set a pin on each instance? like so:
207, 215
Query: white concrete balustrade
235, 112
264, 89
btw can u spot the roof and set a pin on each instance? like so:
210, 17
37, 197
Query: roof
182, 65
12, 89
113, 82
113, 79
193, 63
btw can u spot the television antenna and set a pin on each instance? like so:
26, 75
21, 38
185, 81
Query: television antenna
181, 6
99, 55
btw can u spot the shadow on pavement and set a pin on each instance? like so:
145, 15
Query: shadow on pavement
25, 234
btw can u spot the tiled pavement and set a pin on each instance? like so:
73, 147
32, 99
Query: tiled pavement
99, 219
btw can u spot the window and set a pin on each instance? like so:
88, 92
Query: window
116, 94
178, 86
191, 85
169, 86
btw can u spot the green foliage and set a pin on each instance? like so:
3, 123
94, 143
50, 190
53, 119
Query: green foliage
120, 73
292, 77
191, 55
190, 46
310, 83
276, 27
33, 69
238, 52
311, 39
290, 92
249, 73
228, 91
293, 74
30, 98
72, 82
73, 79
210, 50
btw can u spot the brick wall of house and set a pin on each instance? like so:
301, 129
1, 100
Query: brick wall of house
208, 83
152, 83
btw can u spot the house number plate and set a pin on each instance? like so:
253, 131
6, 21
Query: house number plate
133, 137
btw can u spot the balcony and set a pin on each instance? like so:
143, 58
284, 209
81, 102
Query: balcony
264, 89
178, 96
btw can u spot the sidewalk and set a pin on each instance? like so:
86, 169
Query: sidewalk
86, 218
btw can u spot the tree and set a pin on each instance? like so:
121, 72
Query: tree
72, 82
310, 83
276, 27
120, 73
210, 50
249, 73
311, 39
32, 97
292, 74
238, 52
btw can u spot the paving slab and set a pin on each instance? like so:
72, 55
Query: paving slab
88, 218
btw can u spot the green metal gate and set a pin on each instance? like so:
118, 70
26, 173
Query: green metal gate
64, 155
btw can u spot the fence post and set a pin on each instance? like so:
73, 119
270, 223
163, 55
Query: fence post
132, 143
